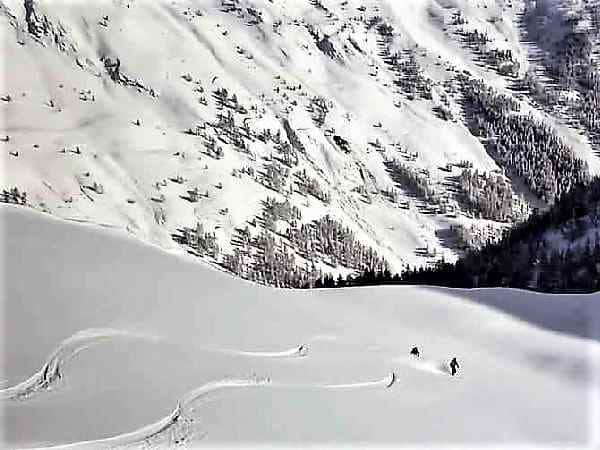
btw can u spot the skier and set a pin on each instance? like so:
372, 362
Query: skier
392, 380
454, 366
45, 374
303, 350
415, 352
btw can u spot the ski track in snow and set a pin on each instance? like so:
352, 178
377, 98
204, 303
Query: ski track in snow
53, 369
388, 381
384, 382
165, 427
447, 325
177, 427
299, 351
436, 367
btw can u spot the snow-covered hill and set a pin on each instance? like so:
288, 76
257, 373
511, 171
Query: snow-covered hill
242, 116
106, 352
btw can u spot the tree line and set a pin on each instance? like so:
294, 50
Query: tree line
554, 251
525, 147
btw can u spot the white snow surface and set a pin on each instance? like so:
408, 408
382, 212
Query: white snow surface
159, 42
156, 350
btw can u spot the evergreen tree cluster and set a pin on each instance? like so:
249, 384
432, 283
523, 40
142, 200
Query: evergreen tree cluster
475, 38
274, 211
198, 240
367, 278
572, 65
487, 195
530, 255
287, 154
458, 19
330, 241
275, 176
543, 96
276, 265
310, 186
266, 136
526, 147
409, 77
13, 195
572, 62
291, 258
263, 259
386, 31
574, 68
224, 100
372, 22
501, 60
555, 251
411, 179
319, 108
471, 237
232, 133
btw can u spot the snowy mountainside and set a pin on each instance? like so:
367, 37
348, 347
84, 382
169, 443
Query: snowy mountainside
280, 139
102, 354
554, 251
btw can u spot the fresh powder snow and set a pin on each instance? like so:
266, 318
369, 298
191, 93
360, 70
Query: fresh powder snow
111, 343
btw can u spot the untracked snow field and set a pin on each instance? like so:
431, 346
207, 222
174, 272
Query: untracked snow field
111, 343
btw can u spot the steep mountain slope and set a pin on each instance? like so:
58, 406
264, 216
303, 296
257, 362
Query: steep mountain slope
564, 77
556, 251
179, 355
282, 139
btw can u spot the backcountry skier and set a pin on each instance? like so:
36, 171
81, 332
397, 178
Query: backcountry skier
303, 350
392, 379
454, 366
415, 352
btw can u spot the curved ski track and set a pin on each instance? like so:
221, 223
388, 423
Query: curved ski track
53, 369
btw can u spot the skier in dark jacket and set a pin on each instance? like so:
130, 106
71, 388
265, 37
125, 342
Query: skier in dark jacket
415, 352
303, 350
454, 366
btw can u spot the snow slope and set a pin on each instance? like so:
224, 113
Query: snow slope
70, 126
136, 348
